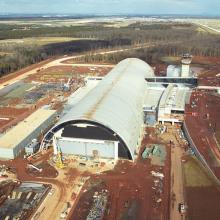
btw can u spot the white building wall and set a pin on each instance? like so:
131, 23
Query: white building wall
85, 147
6, 153
185, 70
13, 152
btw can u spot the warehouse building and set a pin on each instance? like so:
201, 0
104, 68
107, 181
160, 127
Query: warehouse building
12, 143
108, 121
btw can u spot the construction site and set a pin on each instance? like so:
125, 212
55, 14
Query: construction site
48, 86
135, 190
80, 142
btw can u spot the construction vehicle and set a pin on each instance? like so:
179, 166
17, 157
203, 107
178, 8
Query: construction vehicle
51, 192
182, 208
34, 167
67, 86
59, 160
65, 211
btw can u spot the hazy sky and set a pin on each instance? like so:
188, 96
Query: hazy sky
211, 7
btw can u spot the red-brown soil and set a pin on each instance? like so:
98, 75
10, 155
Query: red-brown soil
203, 203
129, 183
15, 115
47, 170
208, 61
203, 123
58, 73
210, 77
24, 70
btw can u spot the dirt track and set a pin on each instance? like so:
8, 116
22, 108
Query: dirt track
177, 182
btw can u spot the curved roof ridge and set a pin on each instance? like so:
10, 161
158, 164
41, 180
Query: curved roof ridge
123, 115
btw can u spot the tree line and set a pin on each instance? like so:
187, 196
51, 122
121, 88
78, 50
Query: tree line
176, 39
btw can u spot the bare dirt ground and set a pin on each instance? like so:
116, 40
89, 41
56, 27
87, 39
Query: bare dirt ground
210, 77
209, 61
202, 120
176, 174
204, 126
125, 185
13, 116
63, 184
59, 73
203, 203
203, 195
130, 183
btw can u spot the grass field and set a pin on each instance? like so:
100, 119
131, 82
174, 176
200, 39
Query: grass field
208, 23
195, 175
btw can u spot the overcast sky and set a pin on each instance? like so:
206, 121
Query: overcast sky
211, 7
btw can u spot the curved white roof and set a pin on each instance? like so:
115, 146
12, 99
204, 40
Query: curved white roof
117, 101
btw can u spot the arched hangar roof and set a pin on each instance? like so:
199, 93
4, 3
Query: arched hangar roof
116, 102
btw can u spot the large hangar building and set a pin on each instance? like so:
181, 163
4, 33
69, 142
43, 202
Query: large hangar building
108, 121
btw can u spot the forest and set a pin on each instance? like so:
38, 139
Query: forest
167, 39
